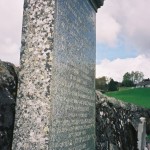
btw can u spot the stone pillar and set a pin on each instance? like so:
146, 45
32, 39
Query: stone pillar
142, 134
56, 98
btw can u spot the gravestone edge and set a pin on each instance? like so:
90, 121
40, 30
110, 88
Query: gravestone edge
97, 4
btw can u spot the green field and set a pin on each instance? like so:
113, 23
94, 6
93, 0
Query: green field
138, 96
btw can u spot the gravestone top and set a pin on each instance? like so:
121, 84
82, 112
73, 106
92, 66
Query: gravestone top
97, 4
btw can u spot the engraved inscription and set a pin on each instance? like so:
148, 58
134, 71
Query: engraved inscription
73, 118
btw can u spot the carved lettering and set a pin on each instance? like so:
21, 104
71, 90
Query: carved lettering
74, 114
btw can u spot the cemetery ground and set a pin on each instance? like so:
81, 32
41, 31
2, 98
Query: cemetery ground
137, 96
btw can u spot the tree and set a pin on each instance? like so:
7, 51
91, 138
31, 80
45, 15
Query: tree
113, 85
126, 76
137, 76
130, 79
101, 83
127, 80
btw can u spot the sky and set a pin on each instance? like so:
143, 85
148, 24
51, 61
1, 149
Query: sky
123, 36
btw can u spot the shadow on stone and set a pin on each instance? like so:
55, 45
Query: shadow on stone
8, 91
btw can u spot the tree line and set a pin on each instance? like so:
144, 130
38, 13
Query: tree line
129, 79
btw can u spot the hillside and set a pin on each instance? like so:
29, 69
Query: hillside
139, 96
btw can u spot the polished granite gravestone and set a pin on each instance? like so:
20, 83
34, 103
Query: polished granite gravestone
56, 97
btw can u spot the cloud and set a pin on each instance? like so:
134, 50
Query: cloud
118, 67
129, 18
10, 51
107, 29
10, 29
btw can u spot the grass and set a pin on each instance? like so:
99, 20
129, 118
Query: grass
137, 96
124, 88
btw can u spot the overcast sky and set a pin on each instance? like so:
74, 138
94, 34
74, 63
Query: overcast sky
123, 36
10, 29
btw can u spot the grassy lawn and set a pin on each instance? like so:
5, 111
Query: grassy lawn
124, 88
138, 96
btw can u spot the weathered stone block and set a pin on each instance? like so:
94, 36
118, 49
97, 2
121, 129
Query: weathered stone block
56, 97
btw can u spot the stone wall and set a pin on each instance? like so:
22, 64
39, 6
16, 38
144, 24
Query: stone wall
117, 123
8, 91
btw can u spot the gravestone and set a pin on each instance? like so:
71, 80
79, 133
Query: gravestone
56, 97
142, 134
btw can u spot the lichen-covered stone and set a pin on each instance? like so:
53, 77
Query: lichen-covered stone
117, 123
8, 91
34, 102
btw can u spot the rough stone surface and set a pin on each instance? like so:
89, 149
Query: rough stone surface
34, 102
8, 91
117, 123
56, 98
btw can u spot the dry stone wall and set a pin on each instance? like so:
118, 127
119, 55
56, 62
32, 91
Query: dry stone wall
8, 91
117, 123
